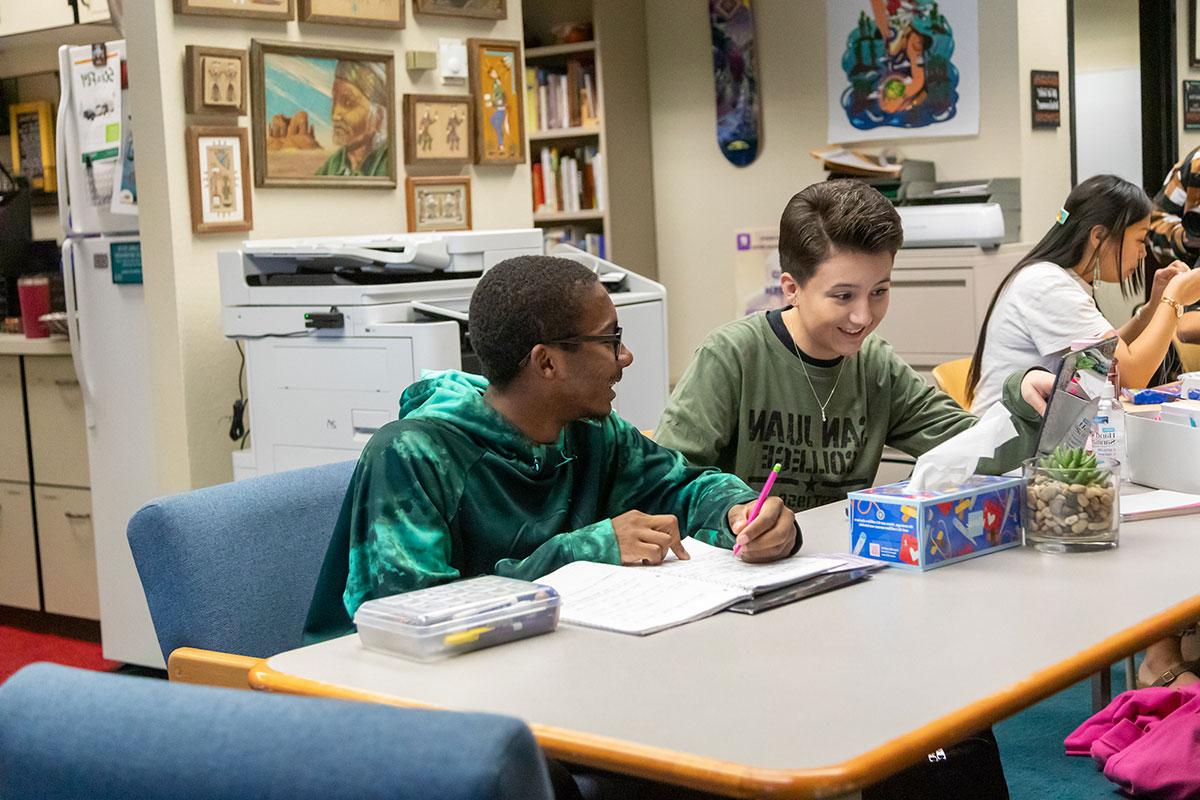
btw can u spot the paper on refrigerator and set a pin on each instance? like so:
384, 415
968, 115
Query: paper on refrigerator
96, 106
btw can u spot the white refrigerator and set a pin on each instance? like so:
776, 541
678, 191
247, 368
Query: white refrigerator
102, 271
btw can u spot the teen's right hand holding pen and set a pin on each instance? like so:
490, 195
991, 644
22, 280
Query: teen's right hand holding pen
769, 536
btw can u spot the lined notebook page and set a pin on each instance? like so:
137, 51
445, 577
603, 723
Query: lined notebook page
637, 600
715, 565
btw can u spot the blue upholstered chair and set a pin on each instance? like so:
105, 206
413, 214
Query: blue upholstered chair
68, 734
229, 570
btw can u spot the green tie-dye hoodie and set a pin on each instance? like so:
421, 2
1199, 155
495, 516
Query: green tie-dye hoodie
452, 489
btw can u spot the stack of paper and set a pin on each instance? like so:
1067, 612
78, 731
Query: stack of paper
852, 162
642, 600
1160, 503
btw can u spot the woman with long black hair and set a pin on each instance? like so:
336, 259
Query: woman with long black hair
1048, 301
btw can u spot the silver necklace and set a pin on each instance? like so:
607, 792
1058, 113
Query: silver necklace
837, 378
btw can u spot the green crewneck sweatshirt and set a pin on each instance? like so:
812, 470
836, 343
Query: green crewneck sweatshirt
745, 404
452, 489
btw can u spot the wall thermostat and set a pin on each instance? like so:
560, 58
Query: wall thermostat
452, 60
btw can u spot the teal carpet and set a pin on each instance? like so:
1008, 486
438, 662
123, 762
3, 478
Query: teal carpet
1031, 747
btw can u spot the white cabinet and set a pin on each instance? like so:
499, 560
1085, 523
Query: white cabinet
93, 11
14, 461
23, 16
56, 422
18, 553
68, 551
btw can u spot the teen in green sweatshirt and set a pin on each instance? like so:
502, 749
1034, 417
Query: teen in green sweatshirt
531, 471
809, 386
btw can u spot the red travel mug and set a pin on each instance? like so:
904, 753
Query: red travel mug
34, 296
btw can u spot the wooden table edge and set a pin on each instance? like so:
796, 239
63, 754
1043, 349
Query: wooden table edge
738, 780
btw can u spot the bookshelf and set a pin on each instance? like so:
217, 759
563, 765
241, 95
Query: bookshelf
603, 125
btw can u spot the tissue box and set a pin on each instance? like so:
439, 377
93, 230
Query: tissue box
924, 530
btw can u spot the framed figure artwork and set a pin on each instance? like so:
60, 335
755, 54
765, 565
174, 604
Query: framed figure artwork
215, 80
476, 9
438, 129
375, 13
323, 116
438, 204
498, 88
1193, 51
218, 160
282, 10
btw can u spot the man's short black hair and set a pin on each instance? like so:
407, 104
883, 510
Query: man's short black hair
522, 302
846, 214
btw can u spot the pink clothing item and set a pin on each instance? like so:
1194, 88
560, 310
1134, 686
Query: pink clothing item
1147, 741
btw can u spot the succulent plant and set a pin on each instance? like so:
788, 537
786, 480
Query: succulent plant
1074, 465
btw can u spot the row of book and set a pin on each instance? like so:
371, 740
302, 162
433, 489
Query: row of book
576, 236
561, 98
565, 182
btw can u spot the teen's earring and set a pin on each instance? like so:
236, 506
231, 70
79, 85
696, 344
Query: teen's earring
1096, 271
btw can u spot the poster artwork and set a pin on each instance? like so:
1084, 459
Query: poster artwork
903, 68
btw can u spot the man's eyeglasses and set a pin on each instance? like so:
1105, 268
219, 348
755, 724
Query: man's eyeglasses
613, 338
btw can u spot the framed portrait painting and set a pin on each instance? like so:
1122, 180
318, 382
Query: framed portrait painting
323, 116
218, 160
438, 204
282, 10
477, 9
375, 13
215, 80
438, 129
496, 83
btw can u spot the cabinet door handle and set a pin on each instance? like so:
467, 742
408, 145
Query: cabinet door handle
63, 383
76, 517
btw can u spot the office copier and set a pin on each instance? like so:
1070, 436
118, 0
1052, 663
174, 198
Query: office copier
335, 328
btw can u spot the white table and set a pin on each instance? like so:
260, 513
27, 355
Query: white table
818, 698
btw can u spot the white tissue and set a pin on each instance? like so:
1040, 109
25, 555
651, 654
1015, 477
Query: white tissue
954, 460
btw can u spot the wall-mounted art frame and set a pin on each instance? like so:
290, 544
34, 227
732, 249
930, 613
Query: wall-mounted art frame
1193, 51
218, 159
475, 9
438, 204
31, 126
439, 129
376, 13
498, 85
282, 10
215, 80
323, 116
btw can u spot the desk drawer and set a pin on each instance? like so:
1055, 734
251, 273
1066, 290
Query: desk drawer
14, 464
57, 430
18, 556
931, 311
68, 551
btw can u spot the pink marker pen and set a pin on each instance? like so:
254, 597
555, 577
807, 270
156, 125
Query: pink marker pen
762, 498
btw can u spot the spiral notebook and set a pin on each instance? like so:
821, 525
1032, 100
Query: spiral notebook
644, 600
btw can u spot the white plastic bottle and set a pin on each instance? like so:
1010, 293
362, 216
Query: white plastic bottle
1108, 430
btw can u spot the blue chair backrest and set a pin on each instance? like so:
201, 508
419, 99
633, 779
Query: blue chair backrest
68, 734
233, 567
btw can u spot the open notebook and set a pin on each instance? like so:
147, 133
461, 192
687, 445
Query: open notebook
642, 600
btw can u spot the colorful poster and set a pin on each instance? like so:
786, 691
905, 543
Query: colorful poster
902, 69
756, 271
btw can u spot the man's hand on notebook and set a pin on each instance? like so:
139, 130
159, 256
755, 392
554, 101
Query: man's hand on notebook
646, 538
770, 536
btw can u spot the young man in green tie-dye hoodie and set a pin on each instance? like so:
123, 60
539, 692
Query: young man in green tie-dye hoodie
528, 468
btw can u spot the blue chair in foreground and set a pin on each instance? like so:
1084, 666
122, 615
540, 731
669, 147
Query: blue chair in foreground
69, 734
229, 570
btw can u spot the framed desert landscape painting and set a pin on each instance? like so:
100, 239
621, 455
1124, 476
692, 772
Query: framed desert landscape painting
498, 88
438, 129
219, 179
438, 204
323, 116
375, 13
478, 9
262, 9
215, 80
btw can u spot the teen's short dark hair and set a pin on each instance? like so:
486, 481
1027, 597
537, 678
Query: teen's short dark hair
521, 302
842, 214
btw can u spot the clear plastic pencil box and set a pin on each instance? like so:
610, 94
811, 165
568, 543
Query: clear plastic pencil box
442, 621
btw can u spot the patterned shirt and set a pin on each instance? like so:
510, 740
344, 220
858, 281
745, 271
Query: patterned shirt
1180, 194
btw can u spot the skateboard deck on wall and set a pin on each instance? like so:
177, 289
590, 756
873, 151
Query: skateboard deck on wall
735, 77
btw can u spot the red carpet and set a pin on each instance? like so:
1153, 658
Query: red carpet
19, 647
